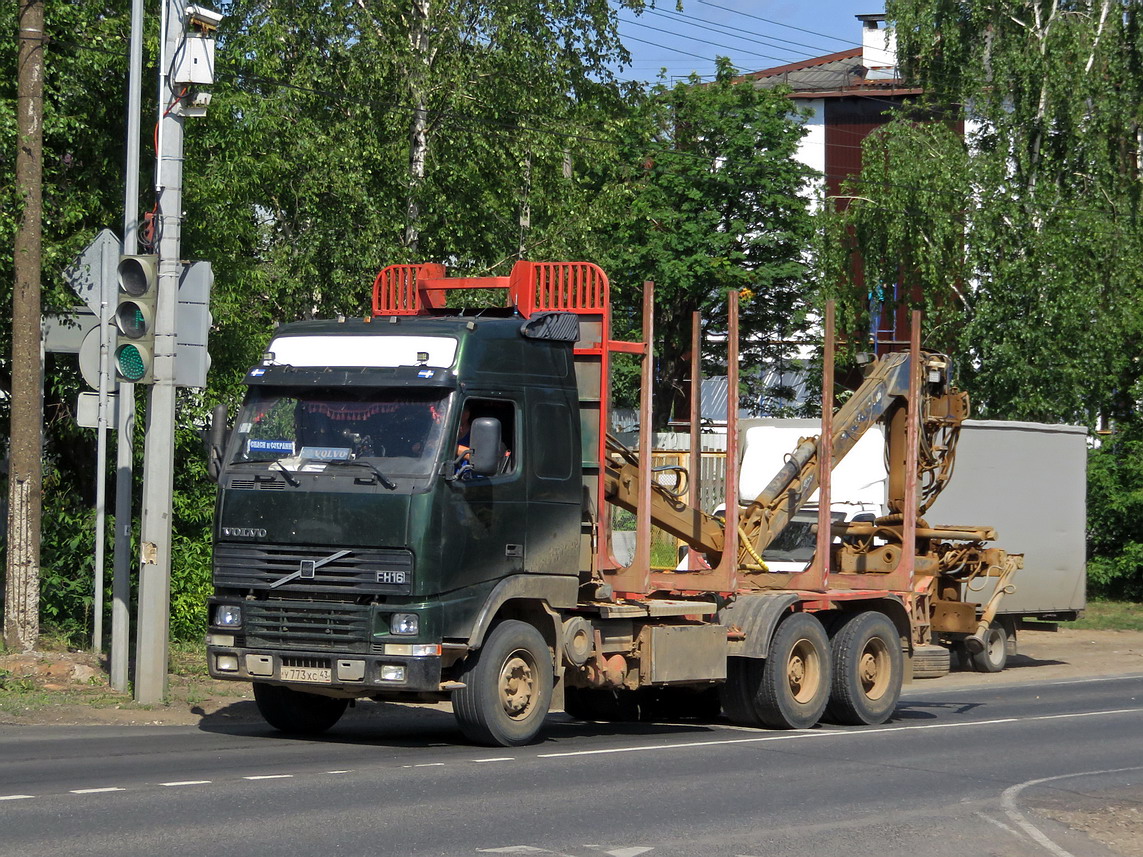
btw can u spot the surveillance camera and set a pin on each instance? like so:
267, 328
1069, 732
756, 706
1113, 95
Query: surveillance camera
204, 17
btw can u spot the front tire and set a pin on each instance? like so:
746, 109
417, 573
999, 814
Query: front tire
868, 668
295, 712
507, 687
994, 657
795, 681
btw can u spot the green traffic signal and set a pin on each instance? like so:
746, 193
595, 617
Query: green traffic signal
131, 363
135, 318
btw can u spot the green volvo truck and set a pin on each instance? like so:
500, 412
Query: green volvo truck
417, 506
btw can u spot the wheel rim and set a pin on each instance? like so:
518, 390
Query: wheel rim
518, 684
993, 646
874, 669
804, 671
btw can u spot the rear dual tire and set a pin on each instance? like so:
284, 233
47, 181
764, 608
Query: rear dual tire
790, 688
868, 667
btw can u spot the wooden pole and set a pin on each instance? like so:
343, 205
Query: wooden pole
25, 482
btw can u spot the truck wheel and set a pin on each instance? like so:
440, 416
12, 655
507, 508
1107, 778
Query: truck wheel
293, 711
795, 676
994, 657
507, 687
867, 670
930, 661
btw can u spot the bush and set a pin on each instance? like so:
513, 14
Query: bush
1115, 516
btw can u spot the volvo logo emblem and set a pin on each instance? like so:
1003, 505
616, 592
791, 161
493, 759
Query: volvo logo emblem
244, 532
307, 567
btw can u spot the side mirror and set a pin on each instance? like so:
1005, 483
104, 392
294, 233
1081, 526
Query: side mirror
216, 442
485, 444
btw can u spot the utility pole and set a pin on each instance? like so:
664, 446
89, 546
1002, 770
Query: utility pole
25, 481
125, 441
151, 642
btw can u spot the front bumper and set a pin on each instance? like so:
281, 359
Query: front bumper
346, 673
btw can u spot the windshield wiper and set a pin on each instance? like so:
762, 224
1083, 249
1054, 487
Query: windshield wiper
289, 476
362, 462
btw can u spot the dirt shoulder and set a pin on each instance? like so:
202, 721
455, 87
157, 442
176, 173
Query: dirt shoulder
72, 688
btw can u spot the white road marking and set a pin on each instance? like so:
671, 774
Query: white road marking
187, 783
339, 772
633, 851
16, 797
1000, 824
97, 791
497, 759
270, 777
1008, 801
863, 734
513, 849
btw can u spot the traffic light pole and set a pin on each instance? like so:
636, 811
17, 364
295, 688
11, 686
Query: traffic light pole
151, 645
125, 436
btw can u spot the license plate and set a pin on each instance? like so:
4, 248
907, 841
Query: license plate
317, 675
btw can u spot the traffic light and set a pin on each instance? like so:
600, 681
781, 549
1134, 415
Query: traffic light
135, 318
192, 324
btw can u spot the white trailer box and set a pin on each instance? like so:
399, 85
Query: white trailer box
1029, 481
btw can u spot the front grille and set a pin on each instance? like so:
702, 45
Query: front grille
322, 626
258, 484
306, 663
361, 571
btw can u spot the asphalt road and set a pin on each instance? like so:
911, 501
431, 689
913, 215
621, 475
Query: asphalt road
957, 771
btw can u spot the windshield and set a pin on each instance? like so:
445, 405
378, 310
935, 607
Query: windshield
398, 431
798, 540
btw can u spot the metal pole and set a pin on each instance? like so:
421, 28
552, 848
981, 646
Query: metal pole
825, 449
101, 468
695, 461
121, 585
158, 457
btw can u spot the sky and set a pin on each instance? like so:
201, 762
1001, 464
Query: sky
754, 34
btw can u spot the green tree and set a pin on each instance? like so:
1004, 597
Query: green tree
84, 98
710, 199
1021, 236
297, 185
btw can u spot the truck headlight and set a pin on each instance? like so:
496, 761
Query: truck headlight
403, 624
227, 616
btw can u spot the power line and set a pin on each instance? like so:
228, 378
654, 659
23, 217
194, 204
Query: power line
726, 29
776, 23
704, 41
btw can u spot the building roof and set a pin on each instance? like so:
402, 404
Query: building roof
832, 71
831, 75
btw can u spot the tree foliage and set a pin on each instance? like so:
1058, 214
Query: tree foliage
345, 135
1022, 233
710, 199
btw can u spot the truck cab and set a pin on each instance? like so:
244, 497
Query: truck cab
379, 484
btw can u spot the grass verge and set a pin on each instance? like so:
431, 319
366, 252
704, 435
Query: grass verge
1109, 616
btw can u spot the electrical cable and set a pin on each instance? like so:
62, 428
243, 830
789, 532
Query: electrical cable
740, 13
712, 26
696, 39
